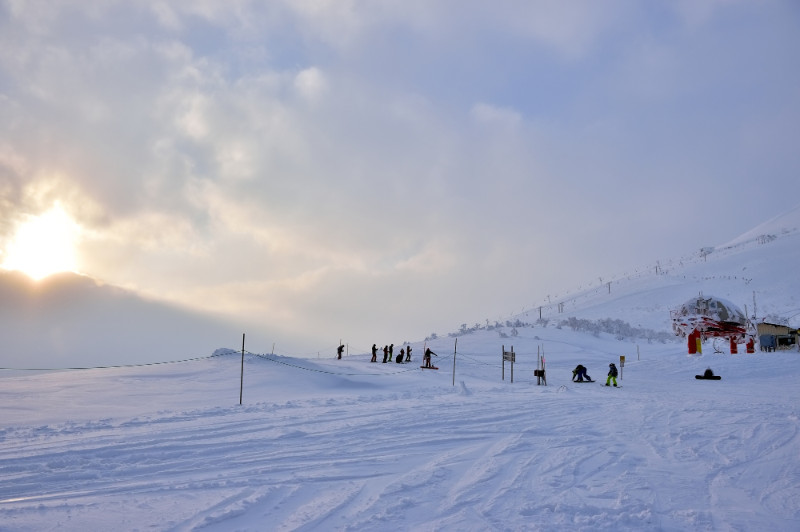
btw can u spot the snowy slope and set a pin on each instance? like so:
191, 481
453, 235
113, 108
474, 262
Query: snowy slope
754, 271
325, 444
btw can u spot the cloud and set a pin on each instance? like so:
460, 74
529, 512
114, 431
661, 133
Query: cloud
342, 168
489, 114
311, 83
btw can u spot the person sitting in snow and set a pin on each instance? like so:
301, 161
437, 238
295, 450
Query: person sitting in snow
612, 374
399, 358
427, 357
580, 373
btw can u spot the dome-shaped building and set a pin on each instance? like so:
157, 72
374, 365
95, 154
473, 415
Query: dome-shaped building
704, 317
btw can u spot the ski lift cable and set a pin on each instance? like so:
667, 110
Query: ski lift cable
118, 365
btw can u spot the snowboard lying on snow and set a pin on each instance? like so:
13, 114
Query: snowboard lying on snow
711, 378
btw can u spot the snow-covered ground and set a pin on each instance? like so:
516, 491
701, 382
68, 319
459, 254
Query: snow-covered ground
325, 444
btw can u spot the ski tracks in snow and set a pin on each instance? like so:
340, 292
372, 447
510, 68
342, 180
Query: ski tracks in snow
521, 458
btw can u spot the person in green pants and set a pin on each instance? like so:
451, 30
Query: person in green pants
612, 374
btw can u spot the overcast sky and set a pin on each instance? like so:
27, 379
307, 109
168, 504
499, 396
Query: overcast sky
377, 171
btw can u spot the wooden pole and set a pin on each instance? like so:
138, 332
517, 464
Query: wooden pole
512, 364
241, 379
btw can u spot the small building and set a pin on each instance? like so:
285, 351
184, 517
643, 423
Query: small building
772, 336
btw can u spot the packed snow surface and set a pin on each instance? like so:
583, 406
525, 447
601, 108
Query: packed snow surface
350, 445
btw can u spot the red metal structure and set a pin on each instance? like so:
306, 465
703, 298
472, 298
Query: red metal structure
706, 317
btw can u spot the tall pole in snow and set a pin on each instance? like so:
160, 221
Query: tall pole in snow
455, 349
241, 379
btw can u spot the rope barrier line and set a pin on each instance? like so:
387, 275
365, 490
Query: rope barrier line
443, 363
118, 366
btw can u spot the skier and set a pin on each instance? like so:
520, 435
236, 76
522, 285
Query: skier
374, 353
399, 358
580, 372
385, 353
427, 357
408, 354
612, 374
339, 351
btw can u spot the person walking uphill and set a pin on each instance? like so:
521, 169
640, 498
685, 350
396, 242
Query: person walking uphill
427, 357
339, 351
612, 374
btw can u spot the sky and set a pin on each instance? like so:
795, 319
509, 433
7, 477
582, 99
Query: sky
380, 171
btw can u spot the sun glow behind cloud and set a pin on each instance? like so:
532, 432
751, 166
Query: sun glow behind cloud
43, 245
326, 169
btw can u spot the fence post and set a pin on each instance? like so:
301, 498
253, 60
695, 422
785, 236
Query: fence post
241, 379
512, 364
455, 349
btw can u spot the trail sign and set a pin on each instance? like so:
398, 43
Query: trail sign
511, 357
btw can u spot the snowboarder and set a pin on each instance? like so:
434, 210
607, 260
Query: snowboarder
708, 374
408, 354
400, 357
374, 353
580, 373
427, 357
612, 374
339, 351
385, 353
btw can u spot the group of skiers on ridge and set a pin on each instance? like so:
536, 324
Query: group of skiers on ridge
579, 374
402, 357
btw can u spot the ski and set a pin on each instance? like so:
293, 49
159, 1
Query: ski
429, 367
